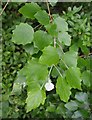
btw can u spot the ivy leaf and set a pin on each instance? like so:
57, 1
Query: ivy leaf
70, 58
42, 17
36, 96
29, 10
23, 34
42, 39
63, 89
73, 77
49, 56
64, 38
86, 76
62, 25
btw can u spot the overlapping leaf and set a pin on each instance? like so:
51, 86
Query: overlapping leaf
49, 56
73, 77
29, 10
63, 89
42, 17
42, 39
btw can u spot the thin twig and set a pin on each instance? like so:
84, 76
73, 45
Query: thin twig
58, 70
49, 10
55, 42
4, 7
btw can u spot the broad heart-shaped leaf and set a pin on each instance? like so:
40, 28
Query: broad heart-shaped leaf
23, 34
62, 25
36, 96
64, 38
73, 77
42, 39
70, 58
36, 72
63, 89
29, 10
49, 56
42, 17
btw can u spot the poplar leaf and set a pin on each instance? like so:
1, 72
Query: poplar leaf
23, 34
64, 38
42, 17
62, 25
49, 56
29, 10
35, 98
70, 58
73, 77
42, 39
63, 89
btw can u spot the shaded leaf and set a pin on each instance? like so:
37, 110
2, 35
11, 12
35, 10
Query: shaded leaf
64, 38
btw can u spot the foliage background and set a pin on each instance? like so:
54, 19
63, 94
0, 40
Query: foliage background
14, 58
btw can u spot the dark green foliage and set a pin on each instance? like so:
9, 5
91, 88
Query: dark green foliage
21, 61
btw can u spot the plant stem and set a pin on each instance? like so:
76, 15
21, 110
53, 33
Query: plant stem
58, 70
4, 7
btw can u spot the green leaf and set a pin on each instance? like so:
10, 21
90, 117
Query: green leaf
42, 17
62, 25
86, 77
51, 28
49, 56
82, 97
29, 48
42, 39
64, 38
72, 105
73, 77
23, 34
63, 89
36, 72
70, 58
36, 96
29, 10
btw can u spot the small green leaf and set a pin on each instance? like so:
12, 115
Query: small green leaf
42, 39
63, 89
23, 34
35, 98
49, 56
72, 105
64, 38
42, 17
29, 10
62, 25
86, 77
73, 77
70, 58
